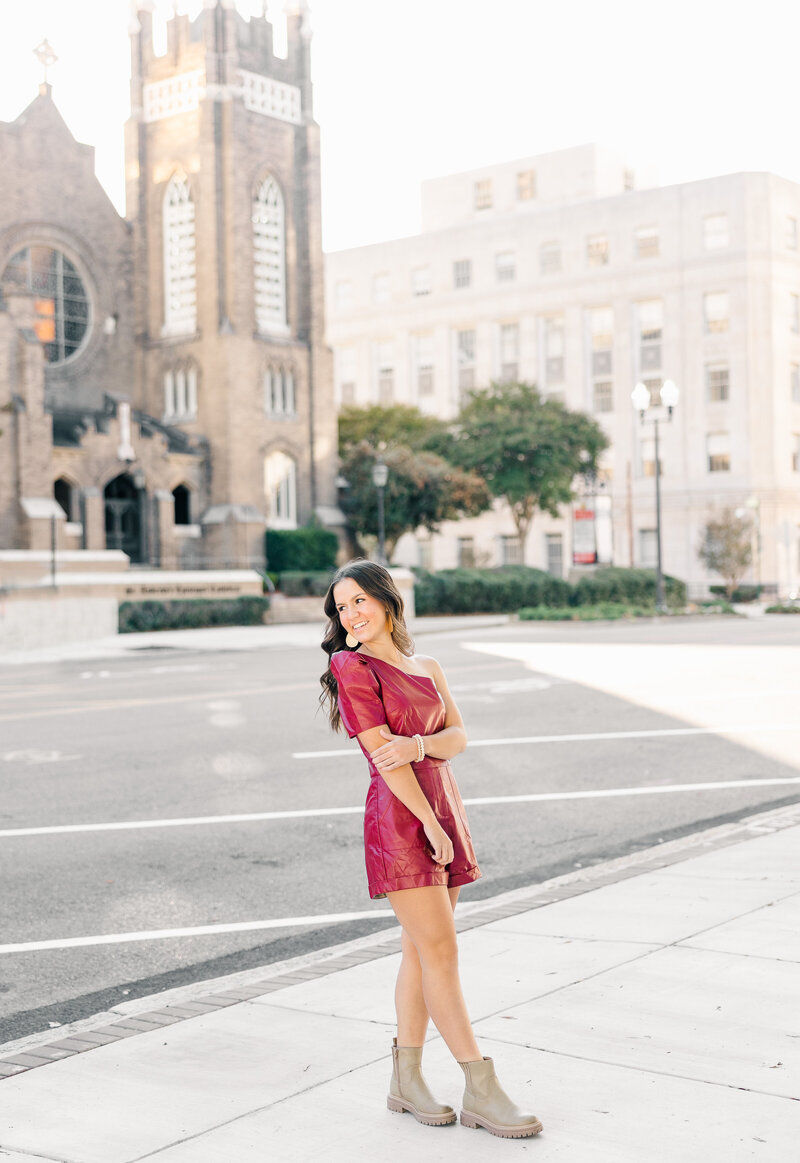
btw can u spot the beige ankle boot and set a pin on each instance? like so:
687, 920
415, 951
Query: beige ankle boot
408, 1090
487, 1105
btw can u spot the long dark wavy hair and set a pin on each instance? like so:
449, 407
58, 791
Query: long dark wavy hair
378, 583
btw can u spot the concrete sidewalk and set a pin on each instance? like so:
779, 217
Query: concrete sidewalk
647, 1009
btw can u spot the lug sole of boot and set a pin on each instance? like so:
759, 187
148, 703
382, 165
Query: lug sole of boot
502, 1132
399, 1106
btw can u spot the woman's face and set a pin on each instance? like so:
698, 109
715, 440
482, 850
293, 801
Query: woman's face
361, 615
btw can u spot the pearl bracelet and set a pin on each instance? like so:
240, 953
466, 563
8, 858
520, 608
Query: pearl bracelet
420, 748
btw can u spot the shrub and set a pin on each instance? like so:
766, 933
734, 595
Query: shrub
191, 613
780, 609
487, 591
307, 550
310, 584
633, 586
606, 611
740, 594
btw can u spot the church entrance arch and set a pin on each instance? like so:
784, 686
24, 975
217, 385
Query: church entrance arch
123, 516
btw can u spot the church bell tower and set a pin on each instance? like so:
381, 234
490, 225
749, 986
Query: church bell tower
223, 193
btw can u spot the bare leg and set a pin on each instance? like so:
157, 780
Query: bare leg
426, 915
412, 1013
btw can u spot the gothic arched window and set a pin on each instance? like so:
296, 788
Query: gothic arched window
180, 271
279, 395
269, 257
280, 486
180, 393
182, 498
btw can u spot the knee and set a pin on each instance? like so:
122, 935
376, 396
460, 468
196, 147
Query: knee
440, 954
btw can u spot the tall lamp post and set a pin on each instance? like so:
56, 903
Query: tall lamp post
640, 397
380, 475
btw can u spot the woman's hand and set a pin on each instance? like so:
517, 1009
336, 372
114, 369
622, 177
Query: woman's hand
396, 753
440, 842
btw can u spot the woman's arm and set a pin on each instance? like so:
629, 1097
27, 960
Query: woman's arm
403, 783
444, 744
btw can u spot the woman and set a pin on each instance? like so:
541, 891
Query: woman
417, 843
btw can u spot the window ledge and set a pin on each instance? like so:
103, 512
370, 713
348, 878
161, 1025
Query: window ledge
187, 531
73, 528
288, 416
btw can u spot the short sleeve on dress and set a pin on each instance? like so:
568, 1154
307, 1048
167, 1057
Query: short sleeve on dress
360, 702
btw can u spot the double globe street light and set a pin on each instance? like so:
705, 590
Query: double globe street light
640, 397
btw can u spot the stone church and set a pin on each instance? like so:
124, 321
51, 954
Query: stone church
165, 388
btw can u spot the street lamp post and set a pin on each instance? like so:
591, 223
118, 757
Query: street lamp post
640, 397
380, 475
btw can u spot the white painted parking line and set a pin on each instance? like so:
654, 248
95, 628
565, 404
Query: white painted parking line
196, 931
532, 798
589, 736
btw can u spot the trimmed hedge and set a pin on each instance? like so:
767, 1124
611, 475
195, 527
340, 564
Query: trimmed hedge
740, 594
487, 591
191, 613
606, 611
509, 588
779, 609
308, 549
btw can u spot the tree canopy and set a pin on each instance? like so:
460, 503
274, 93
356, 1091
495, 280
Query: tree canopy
394, 425
527, 448
422, 489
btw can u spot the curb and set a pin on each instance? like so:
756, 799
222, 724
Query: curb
150, 1013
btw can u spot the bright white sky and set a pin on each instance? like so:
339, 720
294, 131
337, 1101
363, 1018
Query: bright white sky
409, 89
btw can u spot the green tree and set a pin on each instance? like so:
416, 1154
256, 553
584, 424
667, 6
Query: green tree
528, 449
422, 489
396, 425
726, 547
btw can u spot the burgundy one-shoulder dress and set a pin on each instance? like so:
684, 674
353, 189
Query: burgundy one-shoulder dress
373, 693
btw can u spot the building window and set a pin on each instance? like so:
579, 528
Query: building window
180, 272
381, 291
269, 257
648, 242
715, 312
462, 273
343, 296
550, 258
465, 360
648, 548
526, 185
717, 382
791, 233
715, 231
651, 321
601, 342
597, 250
553, 350
421, 281
426, 553
346, 359
280, 487
603, 396
505, 266
483, 194
180, 394
385, 370
510, 549
423, 359
61, 310
509, 352
795, 452
794, 382
794, 313
279, 393
718, 450
628, 180
63, 494
466, 552
554, 543
182, 501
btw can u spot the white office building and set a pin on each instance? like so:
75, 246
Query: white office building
570, 271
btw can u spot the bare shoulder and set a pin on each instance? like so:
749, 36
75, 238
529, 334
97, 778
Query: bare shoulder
430, 665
